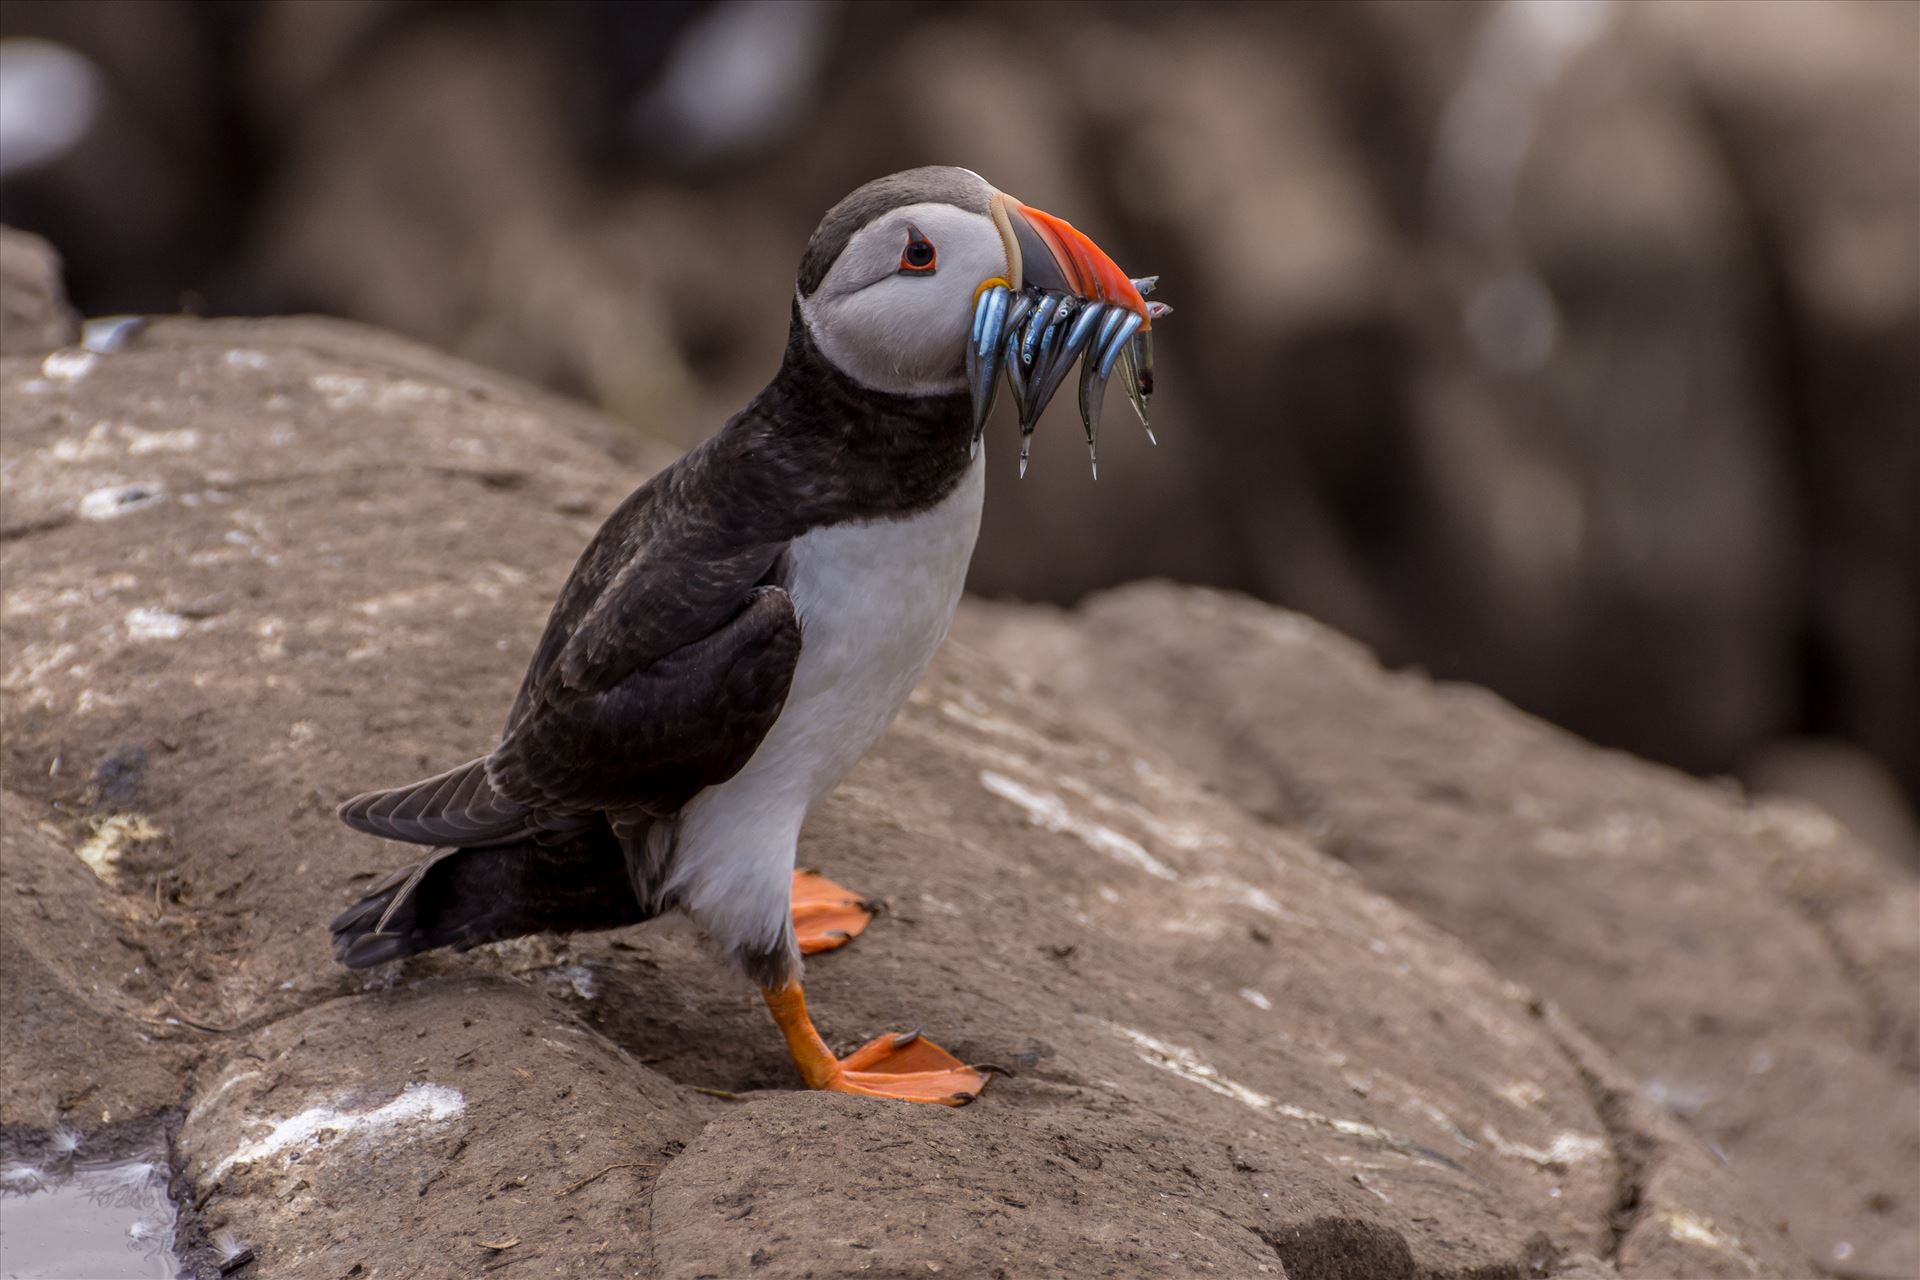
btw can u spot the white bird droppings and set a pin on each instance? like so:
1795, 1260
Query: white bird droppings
1045, 809
155, 624
1255, 999
118, 500
1185, 1063
425, 1105
346, 392
1565, 1149
1241, 894
69, 365
1522, 1093
176, 440
1691, 1228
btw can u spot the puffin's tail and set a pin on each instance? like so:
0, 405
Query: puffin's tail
463, 897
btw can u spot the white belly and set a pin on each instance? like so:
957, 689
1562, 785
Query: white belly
875, 600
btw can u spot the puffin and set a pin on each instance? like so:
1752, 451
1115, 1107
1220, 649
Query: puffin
747, 623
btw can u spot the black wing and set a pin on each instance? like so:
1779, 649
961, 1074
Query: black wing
667, 658
665, 730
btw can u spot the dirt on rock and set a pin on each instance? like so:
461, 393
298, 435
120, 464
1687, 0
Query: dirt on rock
80, 980
254, 567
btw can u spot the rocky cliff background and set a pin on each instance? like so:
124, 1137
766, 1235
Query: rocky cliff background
1567, 348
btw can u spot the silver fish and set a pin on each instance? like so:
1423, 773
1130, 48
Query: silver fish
1033, 337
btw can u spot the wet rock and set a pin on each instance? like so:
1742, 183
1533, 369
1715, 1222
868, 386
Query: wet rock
1230, 1053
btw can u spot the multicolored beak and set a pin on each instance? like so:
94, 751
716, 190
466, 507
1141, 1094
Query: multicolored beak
1056, 258
1063, 298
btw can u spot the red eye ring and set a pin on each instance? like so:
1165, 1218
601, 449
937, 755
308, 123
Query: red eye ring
919, 258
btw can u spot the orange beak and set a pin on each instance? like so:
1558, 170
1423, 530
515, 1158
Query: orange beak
1050, 253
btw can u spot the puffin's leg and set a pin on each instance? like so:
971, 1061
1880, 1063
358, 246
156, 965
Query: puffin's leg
906, 1067
825, 915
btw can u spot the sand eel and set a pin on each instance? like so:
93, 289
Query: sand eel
747, 623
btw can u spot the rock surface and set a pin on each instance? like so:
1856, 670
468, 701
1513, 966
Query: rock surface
253, 567
1751, 965
34, 315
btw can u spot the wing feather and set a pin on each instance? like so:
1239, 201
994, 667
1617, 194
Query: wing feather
651, 742
458, 807
667, 657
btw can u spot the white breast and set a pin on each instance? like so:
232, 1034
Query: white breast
875, 600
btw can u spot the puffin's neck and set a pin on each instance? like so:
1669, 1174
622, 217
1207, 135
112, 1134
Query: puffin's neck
839, 451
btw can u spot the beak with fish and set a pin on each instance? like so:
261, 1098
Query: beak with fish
1071, 301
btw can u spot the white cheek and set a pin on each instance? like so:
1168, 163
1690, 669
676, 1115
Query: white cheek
907, 334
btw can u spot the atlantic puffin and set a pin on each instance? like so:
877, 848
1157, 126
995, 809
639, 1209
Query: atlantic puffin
748, 622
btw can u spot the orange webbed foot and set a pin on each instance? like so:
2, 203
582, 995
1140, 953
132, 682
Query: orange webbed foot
826, 915
906, 1067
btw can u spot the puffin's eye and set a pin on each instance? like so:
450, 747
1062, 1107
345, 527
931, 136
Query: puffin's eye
918, 258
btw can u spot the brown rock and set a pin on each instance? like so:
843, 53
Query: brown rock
404, 1130
34, 315
304, 559
1751, 967
76, 977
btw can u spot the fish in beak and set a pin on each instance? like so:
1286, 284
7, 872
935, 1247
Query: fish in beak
1063, 298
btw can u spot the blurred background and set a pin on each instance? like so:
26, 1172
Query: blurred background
1571, 347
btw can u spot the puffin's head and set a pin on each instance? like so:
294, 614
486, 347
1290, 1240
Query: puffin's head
898, 282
